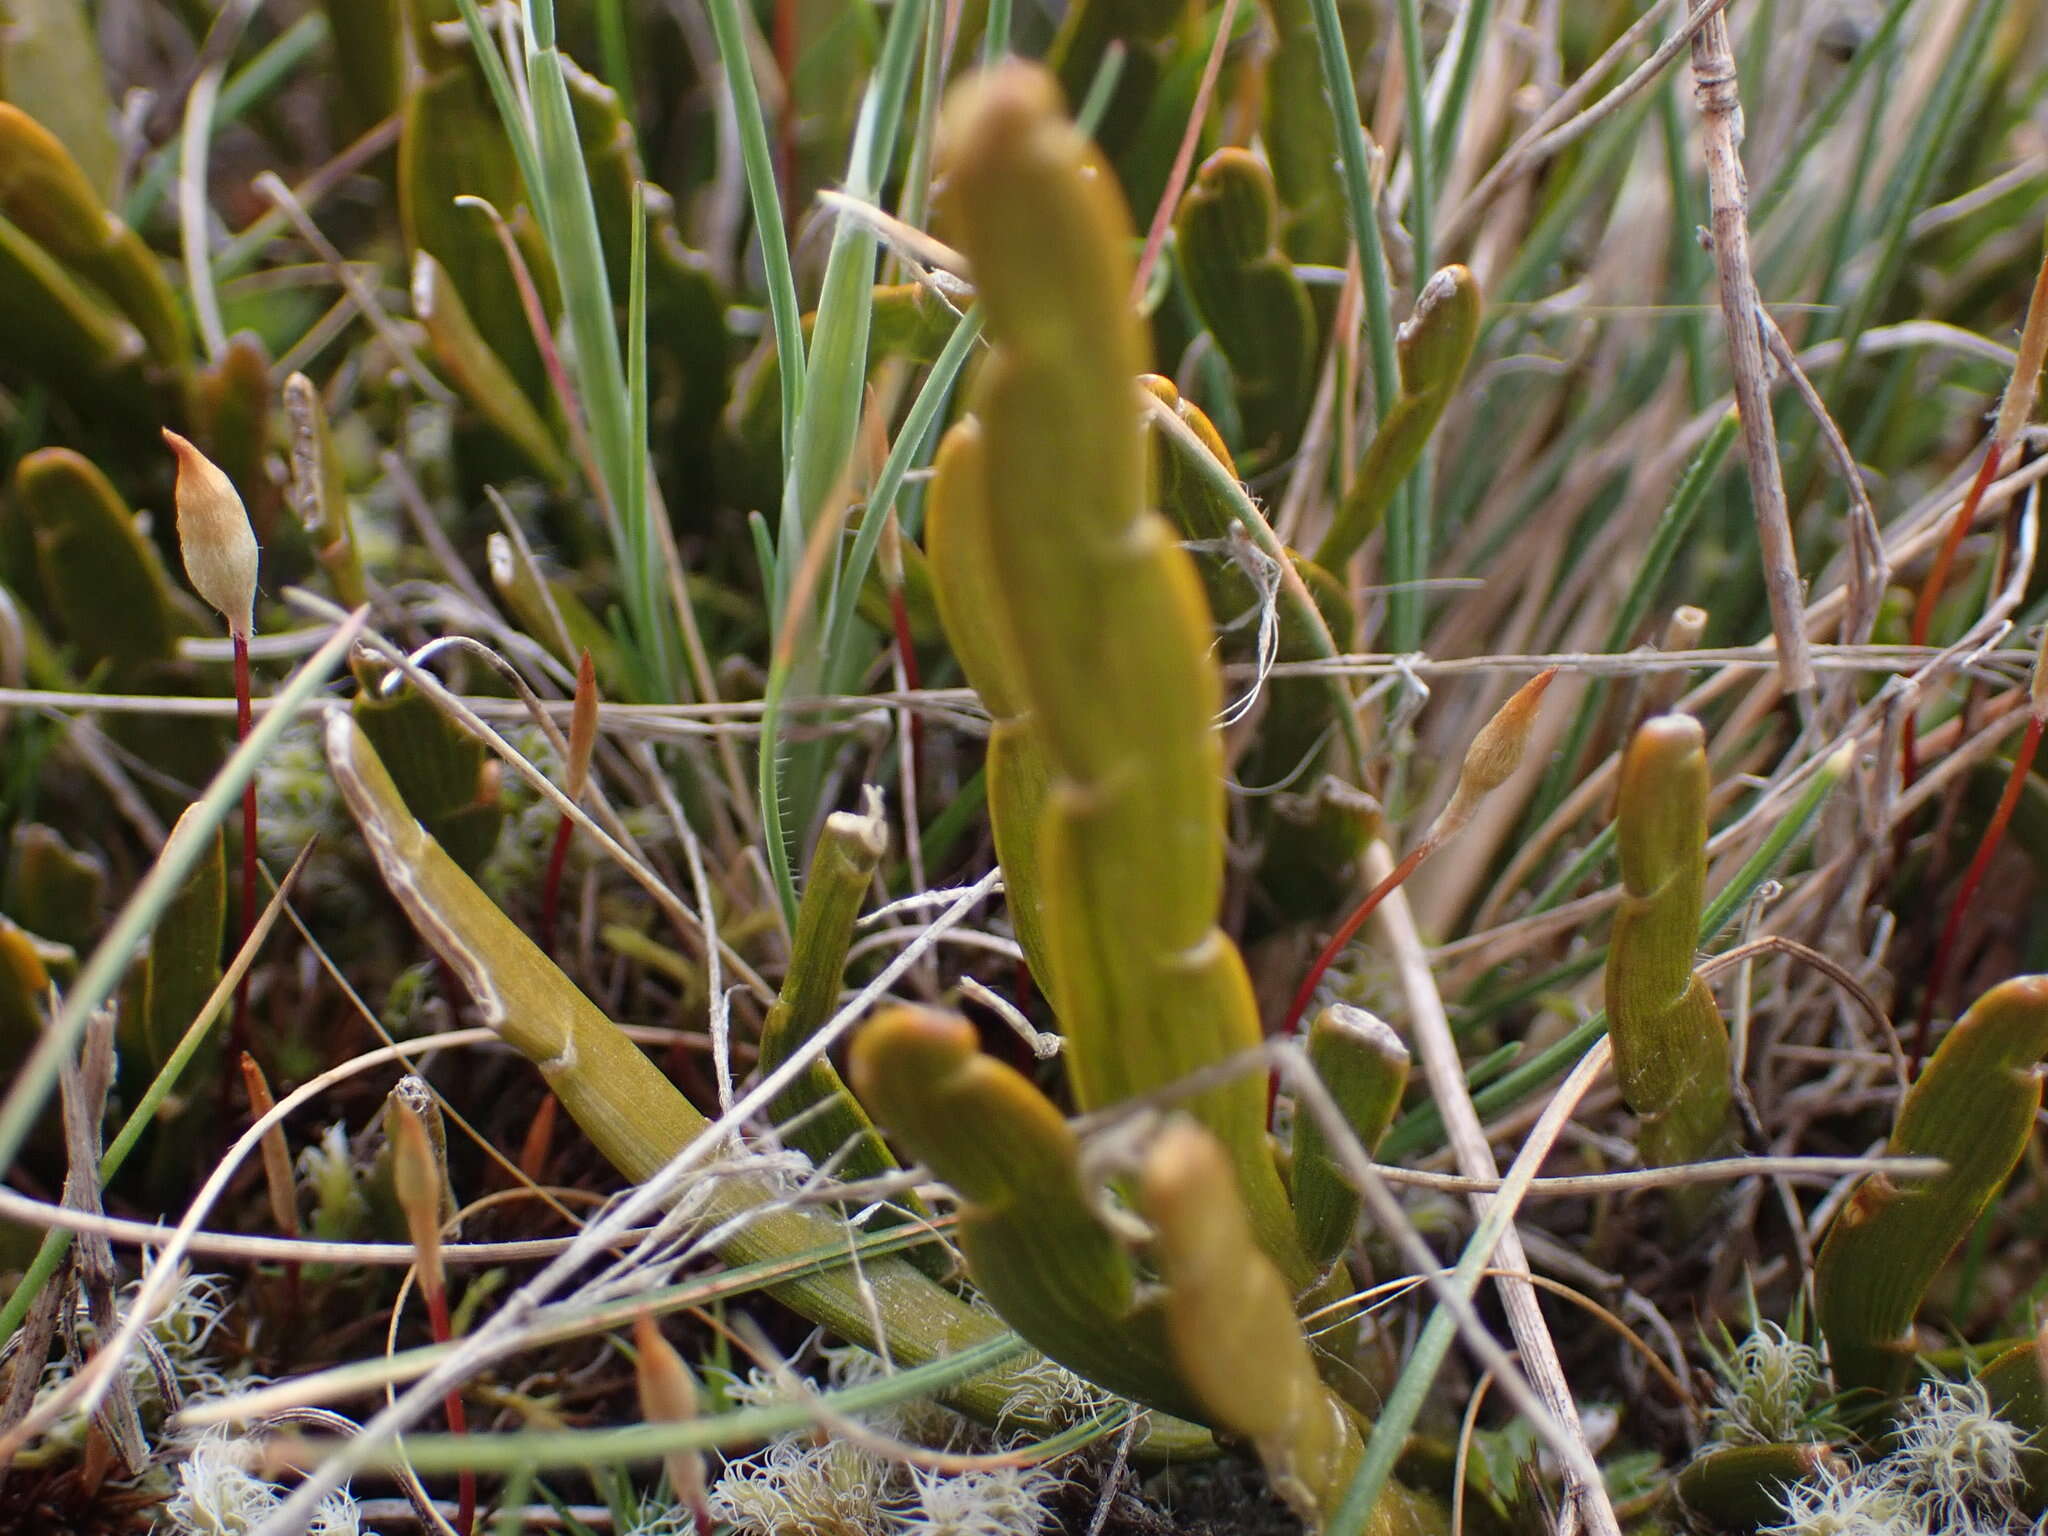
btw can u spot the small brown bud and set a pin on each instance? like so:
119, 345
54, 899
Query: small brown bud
277, 1156
416, 1179
2017, 408
668, 1395
214, 536
1496, 752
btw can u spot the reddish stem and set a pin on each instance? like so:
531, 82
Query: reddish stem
1930, 591
238, 1040
1944, 951
540, 1138
1344, 935
551, 884
458, 1420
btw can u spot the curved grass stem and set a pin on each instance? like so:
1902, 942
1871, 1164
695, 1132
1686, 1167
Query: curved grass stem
1348, 930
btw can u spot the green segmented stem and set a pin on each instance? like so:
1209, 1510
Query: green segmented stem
633, 1114
1232, 1323
1364, 1066
1100, 618
1671, 1052
1741, 1487
44, 193
1973, 1107
968, 584
1248, 294
1035, 1244
101, 577
832, 1127
475, 369
1433, 348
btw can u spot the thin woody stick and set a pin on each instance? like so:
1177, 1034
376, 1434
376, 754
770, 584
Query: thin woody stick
1714, 84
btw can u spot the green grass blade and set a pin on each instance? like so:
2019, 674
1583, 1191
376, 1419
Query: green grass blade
758, 160
615, 53
1340, 87
649, 554
114, 953
910, 441
1415, 103
836, 370
834, 390
995, 37
517, 129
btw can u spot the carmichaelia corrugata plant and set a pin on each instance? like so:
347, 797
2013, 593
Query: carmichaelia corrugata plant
962, 768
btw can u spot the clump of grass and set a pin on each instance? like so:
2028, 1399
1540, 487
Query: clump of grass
1770, 1390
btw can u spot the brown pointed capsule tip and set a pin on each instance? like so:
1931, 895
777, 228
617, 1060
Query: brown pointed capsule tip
276, 1152
416, 1180
582, 728
667, 1394
214, 536
2017, 408
418, 1195
1496, 752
